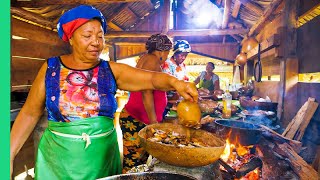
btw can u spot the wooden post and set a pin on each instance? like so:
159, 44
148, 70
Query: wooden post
166, 16
226, 12
288, 64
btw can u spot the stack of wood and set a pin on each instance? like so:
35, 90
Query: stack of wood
296, 128
281, 151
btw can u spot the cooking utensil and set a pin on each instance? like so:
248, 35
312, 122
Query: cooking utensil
148, 176
238, 131
184, 156
257, 70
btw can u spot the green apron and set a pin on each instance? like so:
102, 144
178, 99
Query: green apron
85, 149
208, 84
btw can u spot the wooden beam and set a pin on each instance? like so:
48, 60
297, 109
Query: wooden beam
130, 43
37, 3
35, 33
264, 18
226, 12
142, 20
149, 3
236, 8
114, 26
309, 15
166, 16
194, 32
272, 42
33, 49
289, 70
118, 11
237, 38
32, 17
252, 6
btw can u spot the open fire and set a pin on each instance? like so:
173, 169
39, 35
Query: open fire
241, 162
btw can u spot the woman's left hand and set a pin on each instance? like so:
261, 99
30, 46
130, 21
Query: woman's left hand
187, 90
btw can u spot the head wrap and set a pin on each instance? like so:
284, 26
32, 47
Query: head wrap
75, 17
181, 46
159, 42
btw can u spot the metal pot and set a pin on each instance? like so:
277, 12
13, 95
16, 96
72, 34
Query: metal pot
149, 176
238, 131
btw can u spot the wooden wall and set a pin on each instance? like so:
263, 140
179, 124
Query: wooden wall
27, 56
308, 46
226, 51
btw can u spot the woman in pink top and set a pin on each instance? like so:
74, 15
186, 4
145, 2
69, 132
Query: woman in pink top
145, 107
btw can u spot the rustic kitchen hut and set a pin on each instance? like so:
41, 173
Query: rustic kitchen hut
286, 46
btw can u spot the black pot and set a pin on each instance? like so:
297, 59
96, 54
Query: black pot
238, 131
149, 176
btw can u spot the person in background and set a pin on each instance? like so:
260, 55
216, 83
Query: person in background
145, 107
208, 79
174, 65
78, 91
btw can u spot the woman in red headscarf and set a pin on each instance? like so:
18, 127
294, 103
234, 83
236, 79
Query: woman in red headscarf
78, 91
144, 107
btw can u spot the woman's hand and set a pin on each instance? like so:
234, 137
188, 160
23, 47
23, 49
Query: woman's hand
187, 90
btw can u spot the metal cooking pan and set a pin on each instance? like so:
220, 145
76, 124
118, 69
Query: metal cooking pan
238, 131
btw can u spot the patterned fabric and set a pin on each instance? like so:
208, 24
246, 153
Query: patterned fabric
178, 71
76, 94
133, 153
159, 42
181, 46
76, 17
208, 84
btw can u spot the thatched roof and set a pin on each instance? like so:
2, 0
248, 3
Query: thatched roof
138, 19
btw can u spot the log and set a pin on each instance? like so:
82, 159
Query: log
299, 166
274, 167
279, 139
265, 17
296, 128
253, 163
229, 169
316, 161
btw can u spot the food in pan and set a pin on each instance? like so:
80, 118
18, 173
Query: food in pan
173, 138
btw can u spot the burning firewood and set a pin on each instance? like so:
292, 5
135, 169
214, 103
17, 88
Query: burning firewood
253, 164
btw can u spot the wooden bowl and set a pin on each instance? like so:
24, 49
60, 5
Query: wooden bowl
249, 104
184, 156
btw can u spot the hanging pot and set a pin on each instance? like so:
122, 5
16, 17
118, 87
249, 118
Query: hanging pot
249, 44
241, 58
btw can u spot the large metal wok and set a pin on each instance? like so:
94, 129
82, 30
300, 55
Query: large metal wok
241, 132
184, 156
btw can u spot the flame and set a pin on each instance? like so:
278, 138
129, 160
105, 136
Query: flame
235, 155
